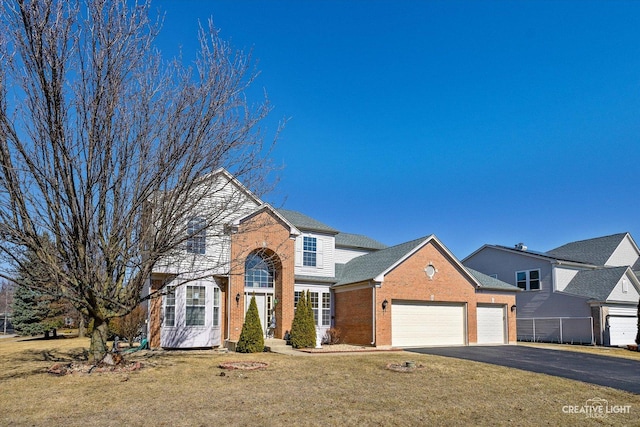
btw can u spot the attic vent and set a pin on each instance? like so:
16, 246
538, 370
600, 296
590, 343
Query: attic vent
521, 247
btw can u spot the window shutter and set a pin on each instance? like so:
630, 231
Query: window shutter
319, 254
298, 255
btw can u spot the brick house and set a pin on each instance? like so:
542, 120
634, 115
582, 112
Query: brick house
416, 293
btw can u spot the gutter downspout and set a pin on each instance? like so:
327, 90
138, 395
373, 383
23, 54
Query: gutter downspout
228, 309
373, 314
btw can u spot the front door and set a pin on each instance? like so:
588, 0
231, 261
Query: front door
265, 310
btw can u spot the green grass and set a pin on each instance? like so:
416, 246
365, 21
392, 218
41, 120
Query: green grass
186, 388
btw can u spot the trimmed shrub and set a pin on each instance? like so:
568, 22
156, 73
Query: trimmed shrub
251, 337
311, 322
303, 331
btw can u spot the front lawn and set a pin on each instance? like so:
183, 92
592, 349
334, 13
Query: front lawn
188, 388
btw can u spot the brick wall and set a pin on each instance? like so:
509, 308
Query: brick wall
267, 233
408, 281
352, 312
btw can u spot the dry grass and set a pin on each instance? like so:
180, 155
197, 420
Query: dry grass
186, 388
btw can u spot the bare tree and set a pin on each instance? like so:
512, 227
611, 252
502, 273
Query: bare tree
6, 303
107, 148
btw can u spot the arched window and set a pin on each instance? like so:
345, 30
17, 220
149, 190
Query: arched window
258, 271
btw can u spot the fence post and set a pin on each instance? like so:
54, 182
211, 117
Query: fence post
561, 342
534, 329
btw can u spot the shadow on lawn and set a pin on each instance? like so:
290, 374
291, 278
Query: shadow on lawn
33, 362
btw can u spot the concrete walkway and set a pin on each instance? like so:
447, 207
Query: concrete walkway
280, 346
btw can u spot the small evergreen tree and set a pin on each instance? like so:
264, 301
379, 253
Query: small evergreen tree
310, 322
35, 313
252, 336
37, 306
297, 327
303, 331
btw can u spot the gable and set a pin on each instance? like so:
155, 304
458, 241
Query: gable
626, 253
449, 276
596, 251
625, 290
599, 284
266, 211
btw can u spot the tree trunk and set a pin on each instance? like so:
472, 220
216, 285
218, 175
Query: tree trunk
98, 347
82, 329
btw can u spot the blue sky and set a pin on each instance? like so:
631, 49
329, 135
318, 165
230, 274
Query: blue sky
480, 122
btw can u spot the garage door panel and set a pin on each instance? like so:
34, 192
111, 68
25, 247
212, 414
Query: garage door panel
415, 324
622, 330
491, 324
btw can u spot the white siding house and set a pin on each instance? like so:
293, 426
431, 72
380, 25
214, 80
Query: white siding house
587, 290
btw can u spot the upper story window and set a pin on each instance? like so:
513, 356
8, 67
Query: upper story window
309, 251
197, 235
258, 271
528, 280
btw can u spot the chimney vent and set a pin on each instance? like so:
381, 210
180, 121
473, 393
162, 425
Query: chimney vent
521, 247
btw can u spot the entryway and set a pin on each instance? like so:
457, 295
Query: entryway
264, 301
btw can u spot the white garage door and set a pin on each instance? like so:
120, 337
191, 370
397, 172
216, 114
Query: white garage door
416, 324
491, 324
622, 330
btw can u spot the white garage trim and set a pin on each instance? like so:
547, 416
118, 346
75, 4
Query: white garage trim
622, 330
492, 325
421, 324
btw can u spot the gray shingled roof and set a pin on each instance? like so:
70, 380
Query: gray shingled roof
595, 284
591, 251
304, 222
358, 241
488, 282
367, 267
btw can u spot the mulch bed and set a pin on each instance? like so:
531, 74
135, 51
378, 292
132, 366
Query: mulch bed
345, 348
245, 366
405, 367
87, 368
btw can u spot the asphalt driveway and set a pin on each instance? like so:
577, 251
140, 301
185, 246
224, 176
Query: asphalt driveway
615, 372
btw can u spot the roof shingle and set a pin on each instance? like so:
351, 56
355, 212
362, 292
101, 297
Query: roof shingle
304, 222
591, 251
595, 284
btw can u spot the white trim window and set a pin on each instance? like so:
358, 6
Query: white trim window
195, 310
314, 305
309, 251
197, 236
170, 307
216, 307
326, 309
528, 280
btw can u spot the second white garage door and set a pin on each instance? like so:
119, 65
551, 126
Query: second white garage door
622, 330
491, 324
416, 324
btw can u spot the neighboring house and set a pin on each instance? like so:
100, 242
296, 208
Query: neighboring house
581, 292
412, 294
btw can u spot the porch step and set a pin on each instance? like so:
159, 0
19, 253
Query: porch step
275, 345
